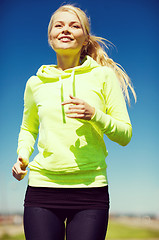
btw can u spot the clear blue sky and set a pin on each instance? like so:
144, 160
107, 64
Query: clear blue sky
133, 27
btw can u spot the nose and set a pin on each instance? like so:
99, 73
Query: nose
65, 30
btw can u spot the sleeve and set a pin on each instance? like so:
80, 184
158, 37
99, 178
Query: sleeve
115, 123
30, 125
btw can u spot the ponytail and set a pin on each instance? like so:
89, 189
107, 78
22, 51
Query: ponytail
95, 50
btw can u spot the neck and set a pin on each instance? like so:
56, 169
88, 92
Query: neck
65, 62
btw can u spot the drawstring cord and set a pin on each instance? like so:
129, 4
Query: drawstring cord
62, 92
62, 100
73, 82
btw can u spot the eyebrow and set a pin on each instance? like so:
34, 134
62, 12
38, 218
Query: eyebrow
70, 22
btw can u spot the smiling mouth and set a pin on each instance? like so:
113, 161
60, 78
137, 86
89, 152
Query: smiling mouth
65, 39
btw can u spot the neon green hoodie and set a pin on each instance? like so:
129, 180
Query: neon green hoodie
72, 152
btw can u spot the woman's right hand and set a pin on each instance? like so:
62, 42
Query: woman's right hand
19, 169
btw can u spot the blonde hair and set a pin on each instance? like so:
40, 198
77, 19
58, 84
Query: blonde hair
95, 49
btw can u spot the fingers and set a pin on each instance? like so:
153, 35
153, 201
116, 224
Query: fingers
79, 108
23, 162
17, 169
72, 100
75, 110
77, 116
81, 113
19, 177
20, 159
18, 172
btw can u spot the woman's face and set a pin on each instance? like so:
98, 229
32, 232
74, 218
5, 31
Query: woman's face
67, 35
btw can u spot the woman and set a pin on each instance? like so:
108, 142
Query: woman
71, 105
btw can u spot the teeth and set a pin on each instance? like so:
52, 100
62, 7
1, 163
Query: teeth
65, 39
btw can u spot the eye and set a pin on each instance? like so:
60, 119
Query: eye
76, 26
58, 26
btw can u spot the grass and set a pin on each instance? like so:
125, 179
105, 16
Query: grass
121, 231
115, 231
17, 237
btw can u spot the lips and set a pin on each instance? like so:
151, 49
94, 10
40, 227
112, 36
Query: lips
65, 38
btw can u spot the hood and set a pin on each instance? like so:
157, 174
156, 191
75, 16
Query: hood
50, 73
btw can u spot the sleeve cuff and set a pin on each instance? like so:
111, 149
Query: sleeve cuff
100, 119
24, 153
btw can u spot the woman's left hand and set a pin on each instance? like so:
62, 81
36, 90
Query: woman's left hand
79, 109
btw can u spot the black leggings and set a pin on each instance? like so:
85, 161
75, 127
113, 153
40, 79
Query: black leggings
49, 224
